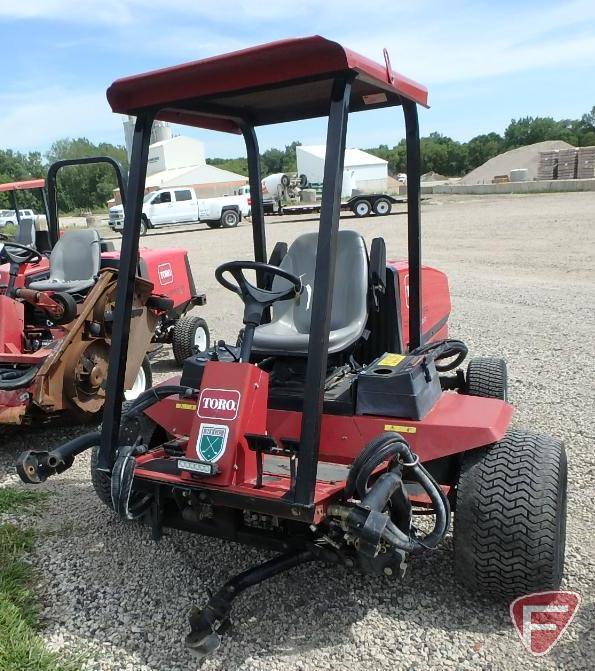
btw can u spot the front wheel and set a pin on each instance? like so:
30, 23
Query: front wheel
230, 219
142, 382
213, 224
191, 334
143, 227
362, 208
510, 520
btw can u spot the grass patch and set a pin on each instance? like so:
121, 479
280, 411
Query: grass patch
21, 649
13, 498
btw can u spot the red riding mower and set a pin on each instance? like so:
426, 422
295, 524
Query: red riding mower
57, 299
335, 420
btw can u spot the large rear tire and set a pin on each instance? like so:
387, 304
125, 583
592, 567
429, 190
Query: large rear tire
191, 333
487, 377
510, 521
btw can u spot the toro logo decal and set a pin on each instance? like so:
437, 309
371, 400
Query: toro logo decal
541, 618
218, 404
165, 273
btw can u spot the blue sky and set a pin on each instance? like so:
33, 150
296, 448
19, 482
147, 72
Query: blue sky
483, 62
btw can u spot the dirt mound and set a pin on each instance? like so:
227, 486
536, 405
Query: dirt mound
433, 177
523, 157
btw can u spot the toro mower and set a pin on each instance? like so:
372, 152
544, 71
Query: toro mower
57, 300
344, 409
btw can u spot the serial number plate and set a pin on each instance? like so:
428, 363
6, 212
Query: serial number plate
195, 467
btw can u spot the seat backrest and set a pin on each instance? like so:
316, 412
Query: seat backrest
350, 288
26, 232
76, 256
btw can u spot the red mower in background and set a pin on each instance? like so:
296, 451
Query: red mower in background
344, 409
57, 301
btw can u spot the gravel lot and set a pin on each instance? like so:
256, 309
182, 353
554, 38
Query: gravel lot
522, 278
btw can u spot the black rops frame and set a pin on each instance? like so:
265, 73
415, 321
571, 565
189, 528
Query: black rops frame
302, 503
52, 189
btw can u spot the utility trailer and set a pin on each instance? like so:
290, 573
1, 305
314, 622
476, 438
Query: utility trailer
362, 206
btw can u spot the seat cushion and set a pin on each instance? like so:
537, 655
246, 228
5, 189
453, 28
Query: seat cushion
72, 287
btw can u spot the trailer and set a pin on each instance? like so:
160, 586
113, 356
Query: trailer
363, 205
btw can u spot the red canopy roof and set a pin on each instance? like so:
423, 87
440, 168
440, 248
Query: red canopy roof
280, 81
23, 186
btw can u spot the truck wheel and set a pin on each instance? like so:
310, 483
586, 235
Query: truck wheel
382, 207
487, 377
230, 219
510, 521
213, 224
191, 333
142, 382
130, 430
362, 208
144, 225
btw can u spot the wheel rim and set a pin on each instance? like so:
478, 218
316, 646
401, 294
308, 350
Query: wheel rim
200, 339
230, 219
382, 207
140, 384
362, 209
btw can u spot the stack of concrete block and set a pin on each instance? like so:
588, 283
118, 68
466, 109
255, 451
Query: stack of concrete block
567, 163
548, 164
586, 163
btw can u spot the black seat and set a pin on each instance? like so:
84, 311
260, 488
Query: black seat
289, 329
74, 263
26, 232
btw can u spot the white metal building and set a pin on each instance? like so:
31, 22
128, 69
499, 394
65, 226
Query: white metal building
369, 172
180, 161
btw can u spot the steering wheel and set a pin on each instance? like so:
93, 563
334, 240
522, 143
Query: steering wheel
23, 254
251, 294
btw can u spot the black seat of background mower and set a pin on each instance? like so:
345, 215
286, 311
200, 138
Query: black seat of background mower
26, 232
74, 263
289, 329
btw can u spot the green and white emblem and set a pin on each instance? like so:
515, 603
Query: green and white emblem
212, 439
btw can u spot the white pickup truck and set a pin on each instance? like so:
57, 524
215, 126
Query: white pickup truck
181, 206
9, 217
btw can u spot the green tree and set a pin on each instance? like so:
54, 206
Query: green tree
85, 187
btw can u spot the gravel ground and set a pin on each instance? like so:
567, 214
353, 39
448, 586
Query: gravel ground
522, 277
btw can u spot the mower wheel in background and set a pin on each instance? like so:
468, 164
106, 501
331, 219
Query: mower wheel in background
382, 207
213, 224
510, 520
361, 208
130, 429
142, 382
190, 333
487, 377
230, 219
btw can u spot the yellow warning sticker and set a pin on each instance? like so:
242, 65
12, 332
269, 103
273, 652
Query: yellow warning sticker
391, 360
185, 406
400, 429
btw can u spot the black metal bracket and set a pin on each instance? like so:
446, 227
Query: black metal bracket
287, 447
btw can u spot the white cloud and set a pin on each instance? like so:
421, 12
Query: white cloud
33, 120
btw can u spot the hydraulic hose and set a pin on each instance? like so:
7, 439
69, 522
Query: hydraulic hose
152, 396
393, 448
443, 349
13, 381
